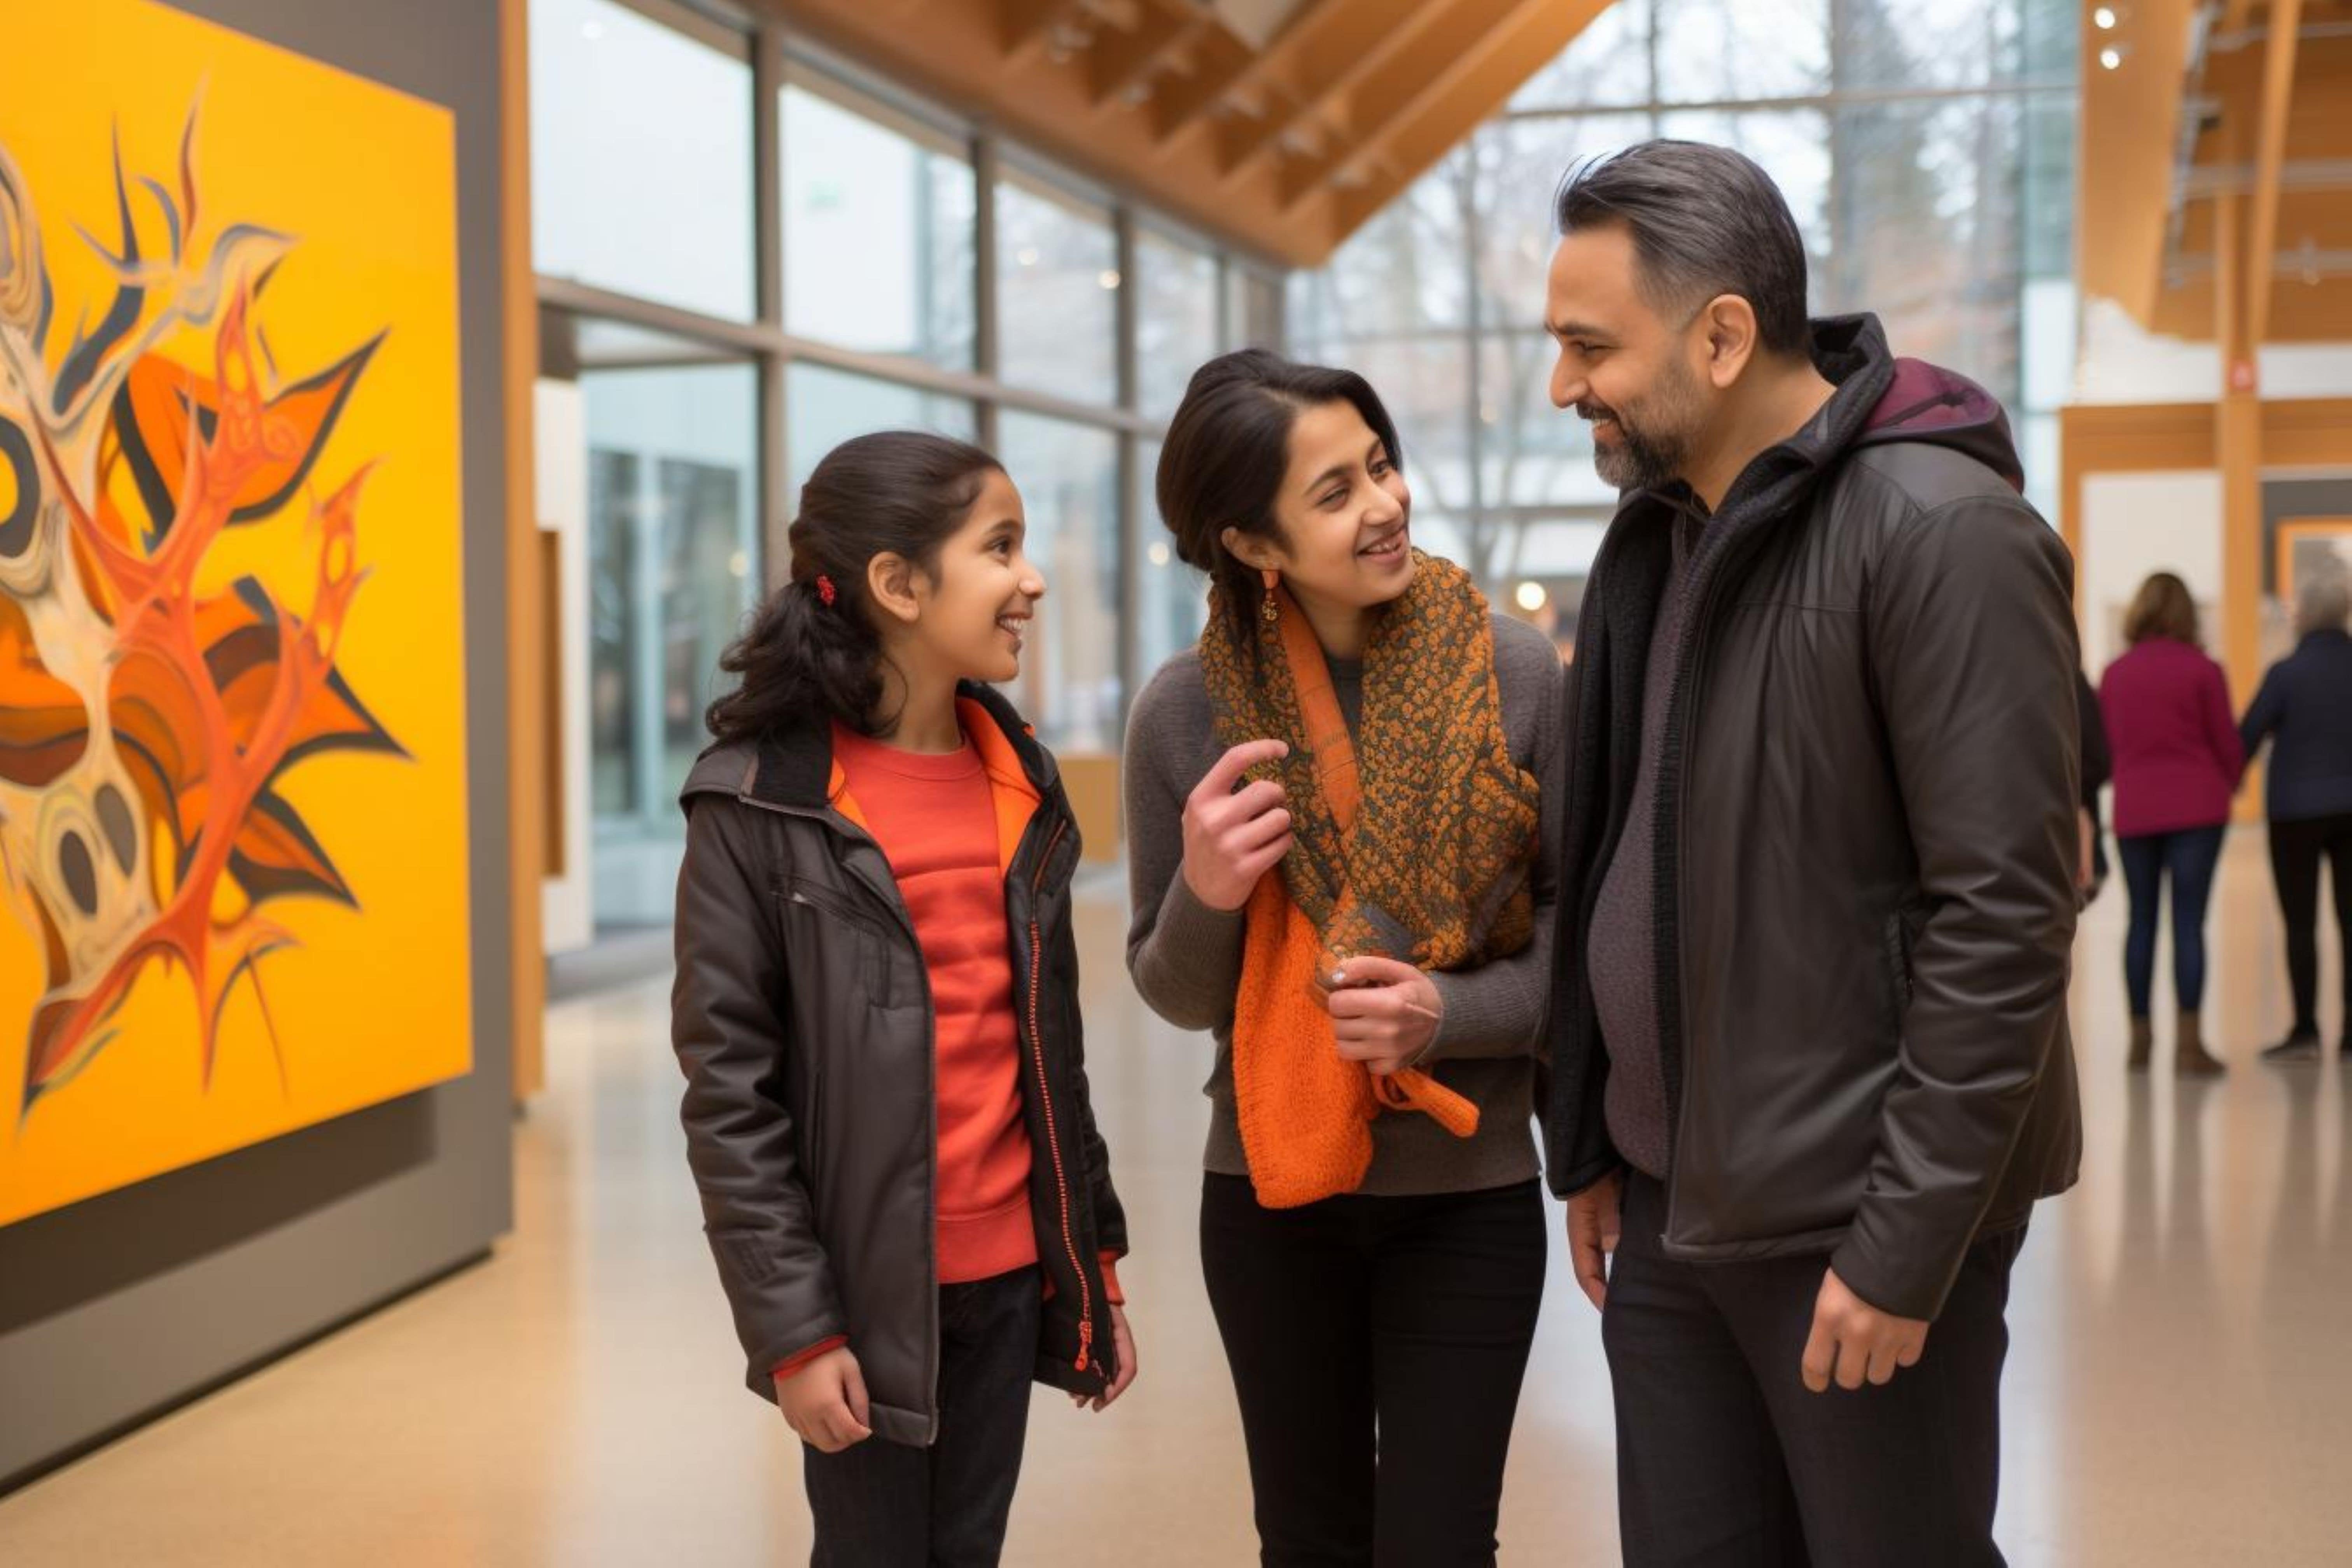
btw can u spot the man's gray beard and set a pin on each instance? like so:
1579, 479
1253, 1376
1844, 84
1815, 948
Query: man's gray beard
1637, 464
1641, 462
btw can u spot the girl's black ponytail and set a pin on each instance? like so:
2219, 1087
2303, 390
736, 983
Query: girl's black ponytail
813, 650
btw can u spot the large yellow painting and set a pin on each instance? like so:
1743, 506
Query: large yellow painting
232, 828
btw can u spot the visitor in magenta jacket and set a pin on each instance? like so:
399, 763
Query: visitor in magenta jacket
2177, 758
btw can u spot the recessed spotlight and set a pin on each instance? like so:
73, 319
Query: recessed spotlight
2111, 59
2104, 19
1532, 597
1108, 278
1158, 554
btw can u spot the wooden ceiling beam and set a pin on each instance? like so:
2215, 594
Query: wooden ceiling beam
1190, 103
2131, 120
2270, 154
1220, 63
1123, 61
1024, 26
1473, 86
1401, 86
1015, 66
1359, 38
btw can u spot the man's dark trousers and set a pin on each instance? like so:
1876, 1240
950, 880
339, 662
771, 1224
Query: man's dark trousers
1726, 1460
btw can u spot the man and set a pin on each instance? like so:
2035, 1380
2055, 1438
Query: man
1818, 891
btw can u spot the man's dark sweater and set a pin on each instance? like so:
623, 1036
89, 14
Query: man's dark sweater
1623, 950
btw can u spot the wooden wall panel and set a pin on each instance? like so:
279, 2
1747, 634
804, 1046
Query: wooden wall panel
525, 651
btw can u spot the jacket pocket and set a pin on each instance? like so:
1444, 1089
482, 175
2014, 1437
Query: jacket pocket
811, 894
842, 932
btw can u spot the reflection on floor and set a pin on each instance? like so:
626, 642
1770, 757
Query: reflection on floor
2180, 1390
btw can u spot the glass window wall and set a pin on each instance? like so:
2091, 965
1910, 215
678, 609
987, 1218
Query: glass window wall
640, 158
1929, 160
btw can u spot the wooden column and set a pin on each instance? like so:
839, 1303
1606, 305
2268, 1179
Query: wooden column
2238, 452
2246, 246
528, 763
2238, 445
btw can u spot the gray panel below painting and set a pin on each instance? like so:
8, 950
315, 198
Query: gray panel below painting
2285, 500
116, 1309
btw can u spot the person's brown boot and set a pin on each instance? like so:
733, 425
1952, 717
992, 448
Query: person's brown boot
2189, 1058
2143, 1044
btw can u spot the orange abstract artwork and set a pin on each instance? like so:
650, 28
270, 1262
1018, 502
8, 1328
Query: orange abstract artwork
232, 768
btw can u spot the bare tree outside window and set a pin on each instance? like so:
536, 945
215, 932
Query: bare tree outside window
1929, 158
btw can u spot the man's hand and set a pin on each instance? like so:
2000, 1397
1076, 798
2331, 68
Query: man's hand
825, 1403
1854, 1342
1595, 1223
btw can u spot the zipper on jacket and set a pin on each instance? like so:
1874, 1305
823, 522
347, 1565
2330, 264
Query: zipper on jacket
1045, 1100
1682, 703
895, 903
1739, 549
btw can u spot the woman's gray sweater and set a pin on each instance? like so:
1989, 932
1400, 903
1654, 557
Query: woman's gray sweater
1186, 958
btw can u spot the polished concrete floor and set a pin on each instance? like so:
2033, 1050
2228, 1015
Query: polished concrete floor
2180, 1390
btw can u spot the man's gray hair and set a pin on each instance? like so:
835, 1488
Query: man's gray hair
1704, 221
2324, 605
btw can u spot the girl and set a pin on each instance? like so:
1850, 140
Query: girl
2177, 757
877, 1011
1342, 818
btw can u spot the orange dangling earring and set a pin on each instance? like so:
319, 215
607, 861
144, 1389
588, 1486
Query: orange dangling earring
1268, 610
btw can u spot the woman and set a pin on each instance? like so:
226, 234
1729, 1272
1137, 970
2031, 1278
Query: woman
2305, 708
2177, 759
1342, 814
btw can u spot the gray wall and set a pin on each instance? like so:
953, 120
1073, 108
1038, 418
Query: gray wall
2283, 499
115, 1309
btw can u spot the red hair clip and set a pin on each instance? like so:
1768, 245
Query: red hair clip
825, 590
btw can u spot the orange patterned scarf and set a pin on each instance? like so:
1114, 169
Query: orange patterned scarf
1412, 840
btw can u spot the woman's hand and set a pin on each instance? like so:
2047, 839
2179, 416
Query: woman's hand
825, 1403
1232, 839
1122, 1340
1383, 1013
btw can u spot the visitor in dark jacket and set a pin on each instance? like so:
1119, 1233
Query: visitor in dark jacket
2304, 711
1818, 889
